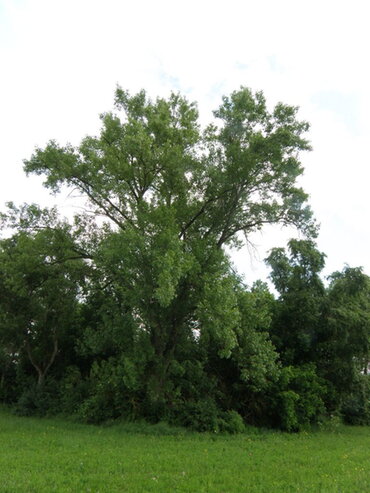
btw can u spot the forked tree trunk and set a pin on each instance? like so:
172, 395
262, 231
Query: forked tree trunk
42, 370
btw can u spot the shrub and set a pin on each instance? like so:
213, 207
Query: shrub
298, 398
106, 392
355, 407
201, 415
231, 422
73, 390
37, 400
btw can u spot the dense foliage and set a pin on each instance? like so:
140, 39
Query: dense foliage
140, 315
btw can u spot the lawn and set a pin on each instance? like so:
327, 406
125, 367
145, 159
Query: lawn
44, 455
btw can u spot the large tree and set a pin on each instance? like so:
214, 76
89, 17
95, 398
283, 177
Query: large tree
174, 195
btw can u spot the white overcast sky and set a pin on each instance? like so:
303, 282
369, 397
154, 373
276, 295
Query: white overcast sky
60, 61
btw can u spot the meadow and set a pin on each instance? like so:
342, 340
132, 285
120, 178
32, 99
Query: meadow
53, 455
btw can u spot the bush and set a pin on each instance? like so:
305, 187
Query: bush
289, 420
201, 415
142, 427
73, 390
355, 407
298, 398
204, 415
106, 393
231, 422
37, 400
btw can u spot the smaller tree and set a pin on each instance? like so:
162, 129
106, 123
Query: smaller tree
245, 372
345, 348
298, 312
40, 276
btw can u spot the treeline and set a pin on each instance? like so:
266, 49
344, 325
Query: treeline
140, 315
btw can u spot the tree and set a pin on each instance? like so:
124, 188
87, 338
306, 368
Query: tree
245, 376
174, 196
298, 323
345, 349
298, 317
329, 328
40, 275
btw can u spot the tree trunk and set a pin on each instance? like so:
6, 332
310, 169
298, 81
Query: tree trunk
42, 371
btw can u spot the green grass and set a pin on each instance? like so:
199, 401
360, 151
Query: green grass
43, 455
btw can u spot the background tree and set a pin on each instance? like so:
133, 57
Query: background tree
298, 395
40, 277
246, 375
297, 321
344, 350
322, 332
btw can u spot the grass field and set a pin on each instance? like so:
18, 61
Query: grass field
58, 456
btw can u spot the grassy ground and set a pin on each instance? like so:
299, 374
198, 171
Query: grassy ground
57, 456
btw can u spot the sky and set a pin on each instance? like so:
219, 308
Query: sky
61, 61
